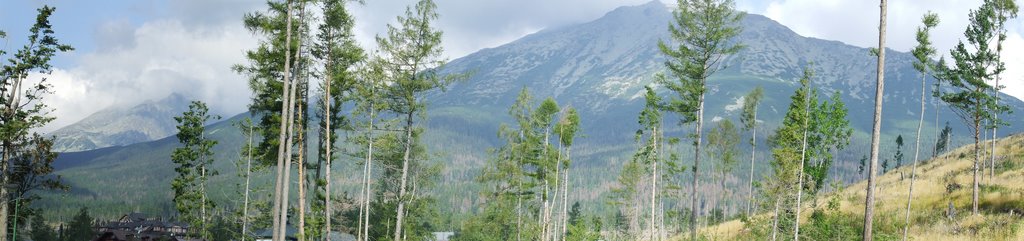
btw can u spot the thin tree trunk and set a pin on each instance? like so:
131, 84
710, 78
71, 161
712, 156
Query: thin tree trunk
803, 158
367, 175
283, 132
565, 196
405, 175
935, 106
519, 200
696, 164
554, 201
288, 151
995, 116
917, 152
3, 192
869, 203
202, 211
977, 159
328, 146
654, 180
248, 173
302, 177
753, 151
775, 220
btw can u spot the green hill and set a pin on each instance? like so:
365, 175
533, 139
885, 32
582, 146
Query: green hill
943, 184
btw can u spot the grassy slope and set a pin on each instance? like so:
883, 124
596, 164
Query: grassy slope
1001, 199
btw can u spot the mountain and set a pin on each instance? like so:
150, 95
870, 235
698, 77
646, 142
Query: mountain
119, 126
600, 68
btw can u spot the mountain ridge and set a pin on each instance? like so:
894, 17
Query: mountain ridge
598, 67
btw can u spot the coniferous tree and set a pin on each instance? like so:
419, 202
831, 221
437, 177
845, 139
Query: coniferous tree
410, 55
898, 156
40, 230
943, 142
1004, 11
972, 67
80, 226
802, 150
517, 172
336, 48
923, 54
271, 78
702, 33
22, 110
194, 159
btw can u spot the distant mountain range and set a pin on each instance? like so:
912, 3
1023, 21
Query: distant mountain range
118, 126
599, 67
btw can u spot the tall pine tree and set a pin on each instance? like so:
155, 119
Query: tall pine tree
702, 34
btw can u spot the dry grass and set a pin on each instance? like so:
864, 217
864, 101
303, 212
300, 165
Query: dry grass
1001, 200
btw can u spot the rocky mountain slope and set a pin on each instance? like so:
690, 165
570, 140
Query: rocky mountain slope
118, 126
599, 67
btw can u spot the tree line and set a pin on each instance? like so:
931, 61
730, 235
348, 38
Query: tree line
308, 75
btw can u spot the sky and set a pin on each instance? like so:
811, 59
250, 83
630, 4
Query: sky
129, 51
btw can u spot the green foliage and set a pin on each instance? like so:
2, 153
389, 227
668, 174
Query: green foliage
26, 162
702, 32
194, 159
517, 173
579, 227
80, 226
898, 156
750, 102
40, 230
973, 67
265, 70
944, 135
722, 145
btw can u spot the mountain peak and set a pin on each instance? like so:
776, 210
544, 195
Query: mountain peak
650, 10
118, 126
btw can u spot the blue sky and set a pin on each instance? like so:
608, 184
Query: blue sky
131, 51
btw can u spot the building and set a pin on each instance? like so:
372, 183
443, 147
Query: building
136, 226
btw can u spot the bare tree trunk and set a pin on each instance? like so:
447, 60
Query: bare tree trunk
917, 152
869, 203
248, 173
285, 111
803, 158
753, 151
405, 175
288, 149
519, 201
995, 116
696, 164
202, 211
654, 181
977, 160
519, 213
775, 220
367, 176
328, 146
565, 197
554, 201
302, 177
4, 192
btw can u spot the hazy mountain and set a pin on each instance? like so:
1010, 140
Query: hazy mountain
118, 126
599, 67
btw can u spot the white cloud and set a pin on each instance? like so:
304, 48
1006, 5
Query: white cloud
165, 57
471, 25
856, 23
1013, 78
